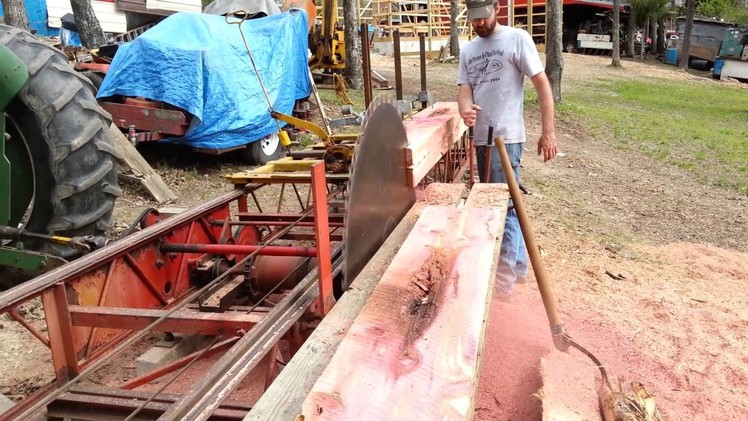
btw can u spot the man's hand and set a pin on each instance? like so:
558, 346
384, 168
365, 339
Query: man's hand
547, 146
470, 114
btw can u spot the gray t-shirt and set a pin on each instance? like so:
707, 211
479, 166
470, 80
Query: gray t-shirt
495, 67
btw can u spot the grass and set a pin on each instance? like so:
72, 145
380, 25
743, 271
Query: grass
701, 127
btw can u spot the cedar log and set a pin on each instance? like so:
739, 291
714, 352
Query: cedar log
414, 350
283, 399
430, 134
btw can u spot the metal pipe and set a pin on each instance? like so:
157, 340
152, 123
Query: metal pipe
366, 64
422, 49
471, 157
487, 159
398, 65
278, 217
259, 250
276, 223
308, 154
13, 313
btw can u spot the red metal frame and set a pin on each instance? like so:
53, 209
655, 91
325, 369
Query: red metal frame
94, 304
96, 67
158, 121
322, 231
454, 163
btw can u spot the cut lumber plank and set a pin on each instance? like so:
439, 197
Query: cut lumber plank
142, 171
430, 133
414, 350
283, 399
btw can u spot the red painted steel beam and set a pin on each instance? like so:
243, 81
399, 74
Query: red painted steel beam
170, 122
322, 231
240, 249
56, 311
96, 67
180, 321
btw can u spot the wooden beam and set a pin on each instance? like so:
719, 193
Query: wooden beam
141, 170
430, 134
488, 195
414, 350
179, 322
283, 399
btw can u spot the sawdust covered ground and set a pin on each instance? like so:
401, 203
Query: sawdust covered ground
673, 314
649, 266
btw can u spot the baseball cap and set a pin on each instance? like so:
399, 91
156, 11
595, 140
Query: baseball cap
479, 9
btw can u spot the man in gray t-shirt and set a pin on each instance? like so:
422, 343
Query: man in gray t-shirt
491, 77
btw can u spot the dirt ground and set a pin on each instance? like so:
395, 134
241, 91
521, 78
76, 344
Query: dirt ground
649, 265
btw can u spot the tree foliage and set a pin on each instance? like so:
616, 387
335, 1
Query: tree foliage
729, 10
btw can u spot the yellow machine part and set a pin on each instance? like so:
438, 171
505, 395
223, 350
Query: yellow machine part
327, 44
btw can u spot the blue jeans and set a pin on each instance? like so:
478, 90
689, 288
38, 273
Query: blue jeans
513, 256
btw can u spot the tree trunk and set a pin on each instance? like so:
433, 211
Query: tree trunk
616, 34
15, 14
645, 35
89, 28
454, 35
661, 41
683, 54
631, 34
353, 69
554, 60
654, 35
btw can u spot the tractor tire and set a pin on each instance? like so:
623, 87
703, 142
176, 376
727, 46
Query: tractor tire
95, 78
69, 149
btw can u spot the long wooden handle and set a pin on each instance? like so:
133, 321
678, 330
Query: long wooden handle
544, 284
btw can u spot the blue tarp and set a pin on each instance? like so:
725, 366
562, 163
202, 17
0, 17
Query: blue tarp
36, 12
199, 63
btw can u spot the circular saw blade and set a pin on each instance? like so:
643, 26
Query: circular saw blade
378, 194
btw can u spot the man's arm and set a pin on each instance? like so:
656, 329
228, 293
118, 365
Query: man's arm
547, 143
468, 110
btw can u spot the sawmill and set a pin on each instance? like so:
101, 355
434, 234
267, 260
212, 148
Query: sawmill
350, 278
249, 305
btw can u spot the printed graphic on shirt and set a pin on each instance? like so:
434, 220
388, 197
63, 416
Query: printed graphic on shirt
485, 67
485, 64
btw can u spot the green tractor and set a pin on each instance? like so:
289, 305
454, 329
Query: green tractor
58, 163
